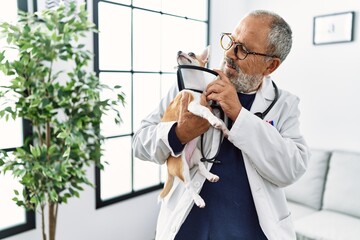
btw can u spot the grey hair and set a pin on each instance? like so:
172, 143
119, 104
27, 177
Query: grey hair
280, 34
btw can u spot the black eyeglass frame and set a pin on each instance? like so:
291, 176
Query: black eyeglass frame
242, 47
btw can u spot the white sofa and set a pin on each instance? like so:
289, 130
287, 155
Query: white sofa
325, 202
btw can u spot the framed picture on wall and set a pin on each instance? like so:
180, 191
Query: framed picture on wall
333, 28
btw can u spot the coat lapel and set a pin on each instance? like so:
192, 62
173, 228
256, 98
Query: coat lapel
264, 96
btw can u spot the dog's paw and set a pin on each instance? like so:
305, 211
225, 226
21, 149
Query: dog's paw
226, 132
160, 199
219, 124
216, 123
199, 202
214, 178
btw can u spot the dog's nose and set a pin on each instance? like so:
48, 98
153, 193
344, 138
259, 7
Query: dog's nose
179, 53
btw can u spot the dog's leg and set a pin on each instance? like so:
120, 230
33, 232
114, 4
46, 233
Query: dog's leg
168, 185
196, 157
174, 164
204, 112
188, 184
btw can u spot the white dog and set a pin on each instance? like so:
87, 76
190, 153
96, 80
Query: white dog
191, 155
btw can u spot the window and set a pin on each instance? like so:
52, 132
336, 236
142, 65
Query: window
136, 48
13, 219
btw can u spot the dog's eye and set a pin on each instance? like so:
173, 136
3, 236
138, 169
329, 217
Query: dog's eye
191, 54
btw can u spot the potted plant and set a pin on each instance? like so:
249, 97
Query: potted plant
63, 106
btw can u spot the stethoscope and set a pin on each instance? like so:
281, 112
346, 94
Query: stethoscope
215, 105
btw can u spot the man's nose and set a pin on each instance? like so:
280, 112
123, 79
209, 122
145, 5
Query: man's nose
230, 53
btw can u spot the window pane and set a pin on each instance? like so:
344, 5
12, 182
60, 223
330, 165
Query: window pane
146, 96
11, 133
188, 8
189, 39
11, 214
152, 4
116, 177
12, 129
13, 219
145, 54
108, 126
8, 10
146, 41
146, 174
48, 4
114, 37
167, 81
127, 2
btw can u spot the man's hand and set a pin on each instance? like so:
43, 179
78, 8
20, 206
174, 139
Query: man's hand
224, 92
189, 125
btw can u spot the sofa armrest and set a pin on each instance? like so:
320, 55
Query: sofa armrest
308, 190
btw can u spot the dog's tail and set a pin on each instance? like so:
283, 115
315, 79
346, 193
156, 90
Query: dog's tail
168, 185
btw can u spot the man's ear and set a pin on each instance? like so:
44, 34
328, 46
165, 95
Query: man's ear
205, 55
272, 66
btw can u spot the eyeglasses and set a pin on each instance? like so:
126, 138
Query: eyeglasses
227, 41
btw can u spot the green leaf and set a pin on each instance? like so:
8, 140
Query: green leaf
67, 153
2, 55
53, 196
62, 135
74, 193
35, 151
33, 200
19, 203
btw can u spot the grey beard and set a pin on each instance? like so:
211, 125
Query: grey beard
243, 82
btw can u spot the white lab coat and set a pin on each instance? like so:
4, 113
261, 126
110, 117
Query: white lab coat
274, 156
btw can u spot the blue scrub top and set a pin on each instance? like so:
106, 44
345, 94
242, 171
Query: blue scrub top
230, 212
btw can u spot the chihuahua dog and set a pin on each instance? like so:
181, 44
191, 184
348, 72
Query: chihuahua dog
191, 155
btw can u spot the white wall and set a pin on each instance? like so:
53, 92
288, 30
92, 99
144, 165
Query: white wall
325, 77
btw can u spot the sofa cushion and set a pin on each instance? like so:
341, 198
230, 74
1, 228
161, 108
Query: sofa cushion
342, 191
327, 225
308, 190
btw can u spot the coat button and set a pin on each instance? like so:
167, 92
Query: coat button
197, 184
173, 229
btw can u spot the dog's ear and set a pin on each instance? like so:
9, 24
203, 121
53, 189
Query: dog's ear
205, 55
